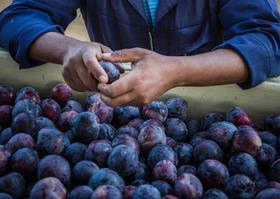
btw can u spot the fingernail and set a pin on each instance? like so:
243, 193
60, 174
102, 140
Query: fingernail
105, 99
103, 79
106, 55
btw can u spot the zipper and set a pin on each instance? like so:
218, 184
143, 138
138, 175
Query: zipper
151, 40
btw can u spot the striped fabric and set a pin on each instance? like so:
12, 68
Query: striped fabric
150, 7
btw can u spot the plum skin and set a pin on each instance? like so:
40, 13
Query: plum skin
14, 184
106, 191
213, 173
49, 187
188, 186
146, 191
82, 172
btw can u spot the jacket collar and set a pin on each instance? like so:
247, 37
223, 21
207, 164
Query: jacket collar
163, 7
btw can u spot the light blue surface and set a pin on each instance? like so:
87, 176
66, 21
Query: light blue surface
152, 6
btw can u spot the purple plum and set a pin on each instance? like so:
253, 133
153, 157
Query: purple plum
184, 153
211, 118
274, 171
176, 129
18, 141
270, 193
165, 170
98, 152
128, 191
177, 108
214, 194
188, 186
50, 109
240, 186
26, 106
106, 132
238, 117
246, 139
81, 192
65, 120
54, 166
150, 136
163, 187
161, 152
50, 188
127, 140
73, 105
102, 111
82, 172
5, 135
135, 123
5, 115
272, 123
156, 110
61, 93
6, 95
123, 115
112, 71
106, 191
13, 184
187, 169
28, 93
146, 191
128, 130
207, 149
75, 153
4, 159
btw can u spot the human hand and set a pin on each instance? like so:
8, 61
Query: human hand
151, 76
81, 69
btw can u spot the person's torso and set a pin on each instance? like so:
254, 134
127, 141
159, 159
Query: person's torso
181, 26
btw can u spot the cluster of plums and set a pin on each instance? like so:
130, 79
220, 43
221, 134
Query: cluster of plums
57, 148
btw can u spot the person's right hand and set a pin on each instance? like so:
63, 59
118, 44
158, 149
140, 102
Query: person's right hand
81, 69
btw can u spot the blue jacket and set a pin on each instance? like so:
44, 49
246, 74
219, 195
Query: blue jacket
251, 28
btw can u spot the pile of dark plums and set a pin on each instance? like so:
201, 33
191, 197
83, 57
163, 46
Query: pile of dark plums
57, 148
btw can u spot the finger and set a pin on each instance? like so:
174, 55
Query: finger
79, 84
86, 79
121, 100
91, 63
117, 88
126, 55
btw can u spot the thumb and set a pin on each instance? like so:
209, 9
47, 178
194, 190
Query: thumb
125, 55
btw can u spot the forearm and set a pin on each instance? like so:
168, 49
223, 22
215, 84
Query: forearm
214, 68
51, 47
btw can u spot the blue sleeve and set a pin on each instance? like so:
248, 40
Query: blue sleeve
252, 29
25, 20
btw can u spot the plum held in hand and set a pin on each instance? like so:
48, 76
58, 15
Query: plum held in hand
61, 93
106, 191
5, 115
106, 176
82, 172
13, 184
207, 149
246, 139
123, 159
176, 129
6, 95
111, 70
4, 159
80, 192
222, 133
156, 110
177, 108
50, 109
124, 114
165, 170
98, 152
238, 117
213, 174
28, 93
49, 187
54, 166
150, 136
85, 127
240, 186
146, 192
188, 186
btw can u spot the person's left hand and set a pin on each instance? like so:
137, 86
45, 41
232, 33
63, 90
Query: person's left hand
151, 76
